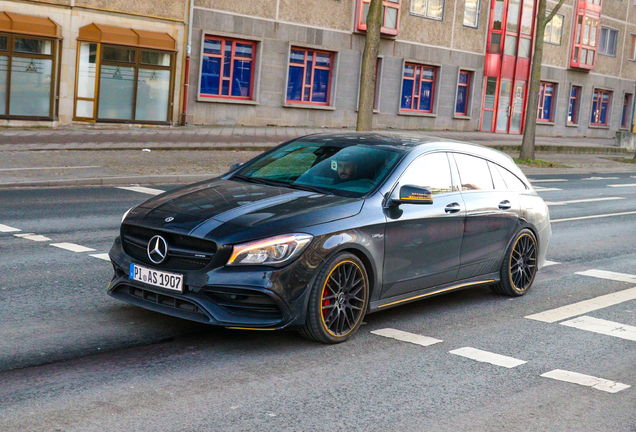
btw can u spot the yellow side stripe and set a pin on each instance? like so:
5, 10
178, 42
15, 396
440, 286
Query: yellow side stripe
437, 292
247, 328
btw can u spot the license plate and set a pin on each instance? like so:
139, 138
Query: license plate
170, 281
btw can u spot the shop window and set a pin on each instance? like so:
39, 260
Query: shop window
432, 9
390, 16
546, 102
227, 68
553, 30
585, 40
463, 93
309, 78
471, 13
601, 101
573, 106
418, 88
607, 41
123, 83
625, 117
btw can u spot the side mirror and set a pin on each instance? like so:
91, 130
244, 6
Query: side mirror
235, 166
410, 194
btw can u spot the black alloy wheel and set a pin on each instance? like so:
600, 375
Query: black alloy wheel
519, 267
338, 300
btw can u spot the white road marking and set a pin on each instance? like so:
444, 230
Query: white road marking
7, 229
602, 274
488, 357
602, 178
141, 189
550, 263
541, 189
33, 237
602, 326
406, 337
557, 203
547, 180
102, 256
48, 168
72, 247
623, 185
586, 380
583, 307
593, 217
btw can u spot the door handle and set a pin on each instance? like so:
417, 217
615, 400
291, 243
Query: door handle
505, 205
452, 208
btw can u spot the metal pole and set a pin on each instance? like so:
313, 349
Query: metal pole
186, 80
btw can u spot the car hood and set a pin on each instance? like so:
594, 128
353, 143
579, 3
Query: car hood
223, 208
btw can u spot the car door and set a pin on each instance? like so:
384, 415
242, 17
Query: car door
423, 241
492, 214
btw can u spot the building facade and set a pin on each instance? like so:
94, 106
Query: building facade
91, 61
450, 65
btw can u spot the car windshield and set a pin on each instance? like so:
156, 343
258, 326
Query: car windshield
325, 166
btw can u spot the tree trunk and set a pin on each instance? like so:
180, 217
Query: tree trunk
527, 145
368, 70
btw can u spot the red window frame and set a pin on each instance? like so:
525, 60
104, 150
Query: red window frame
232, 58
627, 102
542, 95
586, 10
309, 87
576, 100
598, 96
386, 4
417, 86
467, 85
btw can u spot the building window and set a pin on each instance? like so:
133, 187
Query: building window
553, 30
432, 9
418, 88
309, 79
471, 13
627, 104
463, 93
573, 107
390, 16
378, 79
600, 107
227, 68
546, 102
584, 47
632, 47
607, 41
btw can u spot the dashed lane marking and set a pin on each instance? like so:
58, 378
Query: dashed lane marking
406, 337
8, 229
33, 237
623, 185
102, 256
583, 307
141, 189
550, 263
602, 178
541, 189
546, 180
597, 325
72, 247
488, 357
593, 216
603, 274
586, 380
558, 203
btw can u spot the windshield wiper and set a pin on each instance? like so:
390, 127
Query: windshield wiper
309, 188
260, 181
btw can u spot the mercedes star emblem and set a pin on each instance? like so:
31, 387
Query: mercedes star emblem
157, 249
169, 219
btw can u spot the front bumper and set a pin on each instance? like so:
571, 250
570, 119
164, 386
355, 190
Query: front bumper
240, 297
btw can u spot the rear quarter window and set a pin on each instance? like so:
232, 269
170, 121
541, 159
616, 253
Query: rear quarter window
512, 181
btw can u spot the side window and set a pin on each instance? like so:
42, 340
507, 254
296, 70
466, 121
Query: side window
473, 172
497, 179
431, 172
512, 181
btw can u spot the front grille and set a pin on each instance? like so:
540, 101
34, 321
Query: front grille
245, 302
184, 253
184, 307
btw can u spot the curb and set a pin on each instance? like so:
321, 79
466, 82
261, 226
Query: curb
111, 181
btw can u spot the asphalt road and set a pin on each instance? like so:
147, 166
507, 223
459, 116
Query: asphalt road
73, 359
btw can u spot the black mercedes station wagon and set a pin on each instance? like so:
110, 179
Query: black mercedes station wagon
319, 231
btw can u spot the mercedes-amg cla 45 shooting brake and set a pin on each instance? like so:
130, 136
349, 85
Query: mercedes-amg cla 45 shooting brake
319, 231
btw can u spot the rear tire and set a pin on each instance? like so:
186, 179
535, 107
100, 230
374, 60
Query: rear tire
338, 300
519, 266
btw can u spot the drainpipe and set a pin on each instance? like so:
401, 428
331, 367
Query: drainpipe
186, 80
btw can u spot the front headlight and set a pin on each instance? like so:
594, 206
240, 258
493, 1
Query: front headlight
270, 251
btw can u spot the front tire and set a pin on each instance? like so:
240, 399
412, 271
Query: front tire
519, 266
338, 300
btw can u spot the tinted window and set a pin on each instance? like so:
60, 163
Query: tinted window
326, 165
431, 172
512, 181
473, 172
497, 179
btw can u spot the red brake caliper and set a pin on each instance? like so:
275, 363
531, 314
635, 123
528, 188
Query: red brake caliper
325, 302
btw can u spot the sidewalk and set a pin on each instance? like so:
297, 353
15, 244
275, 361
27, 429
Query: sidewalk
72, 157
